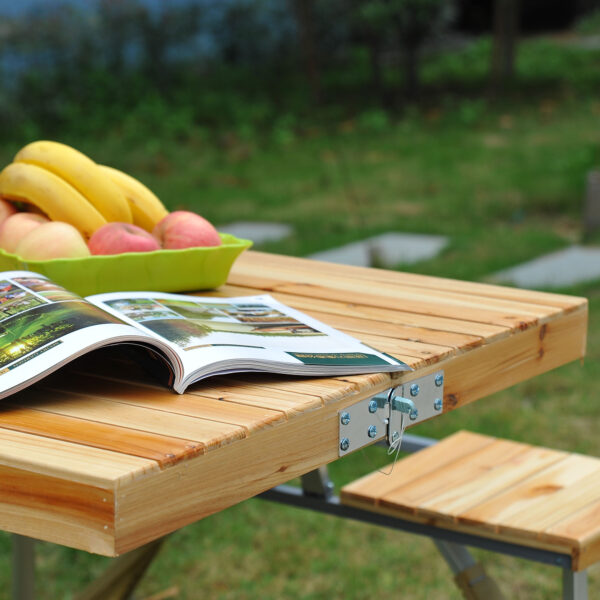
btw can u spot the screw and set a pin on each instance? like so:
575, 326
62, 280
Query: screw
438, 404
345, 418
413, 414
344, 444
395, 436
439, 380
414, 389
373, 406
372, 431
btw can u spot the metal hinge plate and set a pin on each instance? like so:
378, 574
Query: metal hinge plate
382, 416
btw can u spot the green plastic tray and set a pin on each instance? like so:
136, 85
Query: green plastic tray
160, 271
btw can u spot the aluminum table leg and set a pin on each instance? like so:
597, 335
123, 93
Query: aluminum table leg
575, 585
23, 567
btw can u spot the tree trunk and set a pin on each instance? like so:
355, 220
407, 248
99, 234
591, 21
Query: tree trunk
304, 10
412, 81
506, 21
376, 70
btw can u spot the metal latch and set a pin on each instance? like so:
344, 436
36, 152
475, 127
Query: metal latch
382, 416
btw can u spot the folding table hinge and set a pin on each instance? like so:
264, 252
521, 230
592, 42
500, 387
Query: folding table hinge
385, 415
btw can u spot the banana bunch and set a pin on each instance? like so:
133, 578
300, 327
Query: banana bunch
68, 186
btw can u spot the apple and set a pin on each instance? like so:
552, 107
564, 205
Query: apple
17, 226
54, 239
184, 229
6, 209
116, 238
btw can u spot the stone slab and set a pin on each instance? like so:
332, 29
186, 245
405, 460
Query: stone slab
257, 231
387, 250
573, 265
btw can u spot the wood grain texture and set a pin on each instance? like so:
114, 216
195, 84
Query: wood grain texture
103, 426
494, 488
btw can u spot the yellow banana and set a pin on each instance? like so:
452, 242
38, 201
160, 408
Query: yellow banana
82, 173
51, 194
147, 210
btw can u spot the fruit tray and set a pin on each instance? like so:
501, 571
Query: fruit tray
159, 271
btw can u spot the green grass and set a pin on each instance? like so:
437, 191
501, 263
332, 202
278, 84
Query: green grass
506, 184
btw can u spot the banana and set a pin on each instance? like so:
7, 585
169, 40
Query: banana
146, 208
82, 173
51, 194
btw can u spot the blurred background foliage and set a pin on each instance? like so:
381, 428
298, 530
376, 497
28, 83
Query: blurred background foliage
276, 68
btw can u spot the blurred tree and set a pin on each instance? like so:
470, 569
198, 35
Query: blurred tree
116, 21
410, 23
370, 21
416, 22
304, 13
505, 26
163, 31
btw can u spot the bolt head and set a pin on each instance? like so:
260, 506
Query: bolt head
372, 431
415, 389
413, 414
439, 380
438, 404
373, 406
345, 418
344, 444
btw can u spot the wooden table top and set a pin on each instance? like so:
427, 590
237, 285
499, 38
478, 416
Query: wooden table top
97, 457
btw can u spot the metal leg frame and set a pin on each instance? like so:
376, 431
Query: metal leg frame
116, 583
317, 494
575, 585
23, 567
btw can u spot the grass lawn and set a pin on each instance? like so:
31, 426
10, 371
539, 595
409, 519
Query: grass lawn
505, 186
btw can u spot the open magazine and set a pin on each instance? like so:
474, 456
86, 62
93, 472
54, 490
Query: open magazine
43, 326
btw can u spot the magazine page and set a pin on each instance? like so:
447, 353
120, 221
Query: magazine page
250, 333
43, 326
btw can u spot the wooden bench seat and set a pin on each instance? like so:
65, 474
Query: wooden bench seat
493, 488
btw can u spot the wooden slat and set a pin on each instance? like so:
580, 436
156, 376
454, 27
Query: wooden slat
163, 449
413, 494
161, 399
517, 466
56, 509
432, 337
463, 332
524, 508
541, 501
211, 434
43, 455
582, 525
488, 369
319, 275
513, 316
253, 258
371, 488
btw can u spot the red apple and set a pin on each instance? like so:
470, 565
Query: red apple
54, 239
184, 229
6, 209
116, 238
16, 227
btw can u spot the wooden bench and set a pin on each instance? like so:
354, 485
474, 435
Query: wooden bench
498, 492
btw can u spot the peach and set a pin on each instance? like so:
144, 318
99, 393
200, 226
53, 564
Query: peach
6, 209
184, 229
116, 238
16, 227
54, 239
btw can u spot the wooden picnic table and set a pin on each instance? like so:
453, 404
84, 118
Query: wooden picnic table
100, 458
